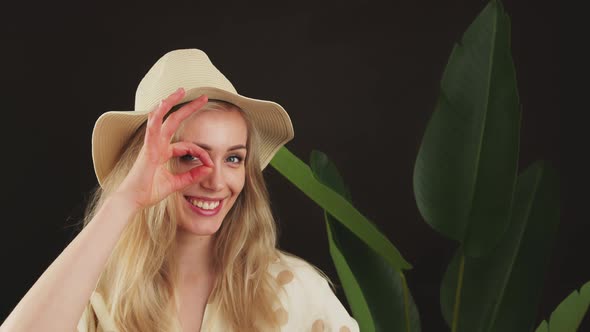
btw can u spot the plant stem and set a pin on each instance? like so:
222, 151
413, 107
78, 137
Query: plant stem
406, 300
458, 295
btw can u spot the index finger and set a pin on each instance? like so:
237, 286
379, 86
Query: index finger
166, 104
156, 117
174, 119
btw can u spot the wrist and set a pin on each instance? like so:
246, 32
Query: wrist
123, 201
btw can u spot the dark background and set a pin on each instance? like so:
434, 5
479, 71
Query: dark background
359, 81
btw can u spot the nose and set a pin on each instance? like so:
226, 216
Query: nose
215, 180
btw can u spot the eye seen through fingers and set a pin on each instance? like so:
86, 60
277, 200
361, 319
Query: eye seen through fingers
187, 158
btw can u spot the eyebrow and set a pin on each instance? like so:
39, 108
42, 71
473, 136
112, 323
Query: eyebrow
231, 148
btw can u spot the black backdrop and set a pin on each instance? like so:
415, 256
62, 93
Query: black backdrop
359, 80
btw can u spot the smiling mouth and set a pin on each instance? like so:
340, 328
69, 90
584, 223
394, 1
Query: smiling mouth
208, 205
204, 207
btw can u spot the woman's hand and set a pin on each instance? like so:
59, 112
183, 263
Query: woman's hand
149, 181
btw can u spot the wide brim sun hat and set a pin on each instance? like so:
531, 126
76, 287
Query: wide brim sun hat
192, 70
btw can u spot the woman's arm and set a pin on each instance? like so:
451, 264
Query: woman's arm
57, 299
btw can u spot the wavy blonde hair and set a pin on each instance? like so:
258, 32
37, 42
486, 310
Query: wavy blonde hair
139, 280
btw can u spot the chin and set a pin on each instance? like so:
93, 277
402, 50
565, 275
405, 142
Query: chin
198, 225
199, 230
194, 224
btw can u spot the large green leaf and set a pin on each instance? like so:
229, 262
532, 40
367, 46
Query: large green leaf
569, 314
501, 291
352, 290
466, 166
376, 291
299, 173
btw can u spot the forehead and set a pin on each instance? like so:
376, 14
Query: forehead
218, 128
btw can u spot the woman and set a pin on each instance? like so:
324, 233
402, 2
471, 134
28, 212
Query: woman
180, 235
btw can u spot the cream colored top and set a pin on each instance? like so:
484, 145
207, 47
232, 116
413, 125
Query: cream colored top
308, 304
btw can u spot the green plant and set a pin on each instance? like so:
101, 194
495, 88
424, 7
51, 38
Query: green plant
569, 314
467, 188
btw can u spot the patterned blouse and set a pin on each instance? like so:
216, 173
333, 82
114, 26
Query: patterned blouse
308, 304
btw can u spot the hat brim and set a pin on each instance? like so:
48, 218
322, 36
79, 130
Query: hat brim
113, 129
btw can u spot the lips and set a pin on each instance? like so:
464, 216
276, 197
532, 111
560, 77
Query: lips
202, 206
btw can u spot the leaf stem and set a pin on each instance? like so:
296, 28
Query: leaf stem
406, 300
458, 294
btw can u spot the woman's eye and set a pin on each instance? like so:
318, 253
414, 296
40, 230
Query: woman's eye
188, 157
237, 159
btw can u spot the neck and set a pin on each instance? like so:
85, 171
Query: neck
194, 256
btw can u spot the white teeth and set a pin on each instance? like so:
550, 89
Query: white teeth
205, 205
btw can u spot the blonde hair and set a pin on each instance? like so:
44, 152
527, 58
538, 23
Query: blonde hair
139, 280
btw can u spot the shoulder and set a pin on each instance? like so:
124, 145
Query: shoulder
308, 300
288, 267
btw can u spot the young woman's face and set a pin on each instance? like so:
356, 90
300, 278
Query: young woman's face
206, 202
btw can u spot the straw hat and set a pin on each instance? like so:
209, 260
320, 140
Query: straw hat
192, 70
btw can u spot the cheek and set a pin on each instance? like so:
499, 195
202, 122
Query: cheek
236, 181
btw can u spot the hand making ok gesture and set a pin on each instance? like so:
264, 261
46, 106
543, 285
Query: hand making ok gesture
149, 181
